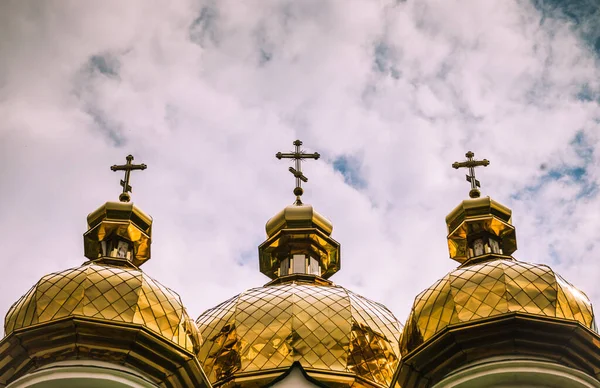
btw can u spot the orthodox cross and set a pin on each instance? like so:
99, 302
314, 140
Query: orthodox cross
298, 155
470, 163
128, 167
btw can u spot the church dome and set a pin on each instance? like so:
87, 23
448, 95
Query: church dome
105, 311
108, 293
490, 282
495, 287
110, 286
300, 318
494, 308
326, 328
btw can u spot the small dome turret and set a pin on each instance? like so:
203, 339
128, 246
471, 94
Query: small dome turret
480, 226
299, 241
118, 231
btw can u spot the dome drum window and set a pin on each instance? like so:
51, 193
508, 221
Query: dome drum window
483, 243
299, 264
117, 249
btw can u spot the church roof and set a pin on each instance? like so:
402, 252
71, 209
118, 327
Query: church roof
107, 293
499, 286
324, 327
336, 336
489, 281
107, 309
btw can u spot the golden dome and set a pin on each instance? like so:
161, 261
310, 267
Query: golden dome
489, 282
108, 293
107, 309
337, 336
110, 287
491, 288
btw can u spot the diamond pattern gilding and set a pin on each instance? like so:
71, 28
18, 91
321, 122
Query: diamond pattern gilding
108, 293
493, 288
323, 327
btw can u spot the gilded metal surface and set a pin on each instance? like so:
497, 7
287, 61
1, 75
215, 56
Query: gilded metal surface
161, 362
492, 288
481, 214
299, 229
471, 164
119, 220
298, 216
323, 327
113, 294
508, 336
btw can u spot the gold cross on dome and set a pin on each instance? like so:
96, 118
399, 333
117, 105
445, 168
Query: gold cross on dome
298, 155
128, 167
471, 163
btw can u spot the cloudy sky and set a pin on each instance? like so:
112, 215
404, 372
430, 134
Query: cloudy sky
390, 93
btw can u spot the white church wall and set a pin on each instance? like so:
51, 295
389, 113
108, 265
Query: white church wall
295, 379
518, 373
82, 374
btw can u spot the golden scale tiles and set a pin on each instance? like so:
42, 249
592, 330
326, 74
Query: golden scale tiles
492, 288
322, 327
105, 292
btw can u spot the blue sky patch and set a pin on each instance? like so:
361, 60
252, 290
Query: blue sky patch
570, 174
583, 14
107, 65
99, 68
382, 61
109, 128
203, 28
349, 167
587, 94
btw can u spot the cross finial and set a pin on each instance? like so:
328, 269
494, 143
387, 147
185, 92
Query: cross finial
298, 155
128, 167
471, 164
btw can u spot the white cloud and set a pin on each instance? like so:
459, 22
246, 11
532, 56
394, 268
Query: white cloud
405, 89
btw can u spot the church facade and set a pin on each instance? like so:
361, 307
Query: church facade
494, 321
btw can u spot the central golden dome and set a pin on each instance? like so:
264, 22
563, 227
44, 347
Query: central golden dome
335, 335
